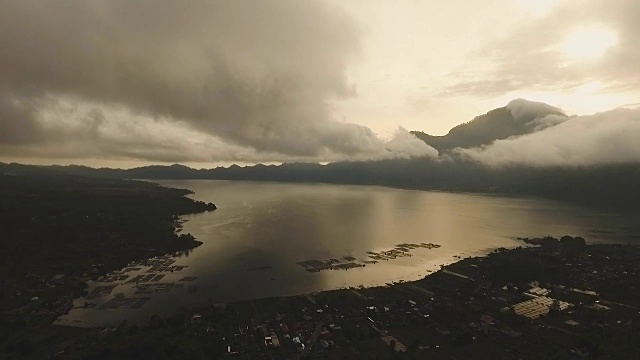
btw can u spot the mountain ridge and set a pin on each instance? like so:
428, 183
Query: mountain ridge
518, 117
607, 186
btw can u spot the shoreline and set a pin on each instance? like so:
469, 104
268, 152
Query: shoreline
486, 292
87, 228
152, 225
418, 275
415, 277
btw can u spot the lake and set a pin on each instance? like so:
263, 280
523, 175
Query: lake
254, 242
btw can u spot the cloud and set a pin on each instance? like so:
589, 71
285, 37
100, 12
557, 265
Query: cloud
405, 144
603, 138
525, 110
68, 130
18, 123
536, 115
533, 56
250, 77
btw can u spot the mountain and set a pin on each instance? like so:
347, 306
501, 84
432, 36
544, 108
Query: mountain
519, 117
612, 186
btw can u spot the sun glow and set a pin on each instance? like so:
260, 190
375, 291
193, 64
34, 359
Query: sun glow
589, 43
583, 100
538, 8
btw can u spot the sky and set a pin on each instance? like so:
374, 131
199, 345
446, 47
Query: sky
205, 83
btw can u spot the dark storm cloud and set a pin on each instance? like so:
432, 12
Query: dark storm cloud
71, 132
255, 75
17, 122
527, 57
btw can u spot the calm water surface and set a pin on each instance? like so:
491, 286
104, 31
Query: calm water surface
253, 242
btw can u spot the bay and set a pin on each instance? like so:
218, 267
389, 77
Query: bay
254, 242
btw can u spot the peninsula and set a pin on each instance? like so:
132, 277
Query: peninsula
60, 231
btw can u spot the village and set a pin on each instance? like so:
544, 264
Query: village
561, 300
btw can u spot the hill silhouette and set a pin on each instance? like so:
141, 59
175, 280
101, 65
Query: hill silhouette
612, 185
608, 185
519, 117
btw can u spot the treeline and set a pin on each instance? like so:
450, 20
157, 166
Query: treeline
607, 185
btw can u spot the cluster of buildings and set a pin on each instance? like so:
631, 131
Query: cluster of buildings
527, 303
544, 302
